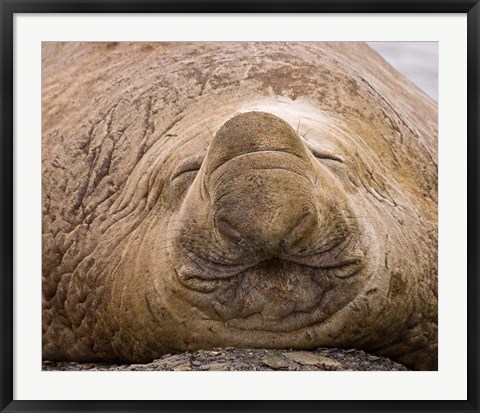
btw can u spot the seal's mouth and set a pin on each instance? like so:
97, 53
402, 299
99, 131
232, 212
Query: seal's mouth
204, 276
275, 294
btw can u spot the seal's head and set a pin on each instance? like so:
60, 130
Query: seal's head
267, 236
259, 242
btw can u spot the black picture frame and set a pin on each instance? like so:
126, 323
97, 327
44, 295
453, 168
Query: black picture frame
9, 7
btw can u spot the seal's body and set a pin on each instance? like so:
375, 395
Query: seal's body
250, 195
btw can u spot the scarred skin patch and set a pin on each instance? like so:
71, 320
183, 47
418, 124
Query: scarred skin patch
269, 195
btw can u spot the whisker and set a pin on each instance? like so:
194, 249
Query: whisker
306, 133
210, 132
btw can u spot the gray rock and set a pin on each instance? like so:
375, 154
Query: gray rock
275, 362
218, 367
305, 358
241, 366
182, 367
175, 363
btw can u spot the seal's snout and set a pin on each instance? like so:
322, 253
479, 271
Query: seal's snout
278, 231
260, 182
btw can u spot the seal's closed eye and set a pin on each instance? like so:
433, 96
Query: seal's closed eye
192, 164
320, 153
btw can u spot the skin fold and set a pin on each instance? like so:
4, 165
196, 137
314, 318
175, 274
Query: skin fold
269, 195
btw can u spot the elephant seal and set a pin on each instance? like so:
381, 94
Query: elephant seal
273, 195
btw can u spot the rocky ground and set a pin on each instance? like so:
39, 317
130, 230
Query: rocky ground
232, 359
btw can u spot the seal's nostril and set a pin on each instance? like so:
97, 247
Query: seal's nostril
300, 231
228, 230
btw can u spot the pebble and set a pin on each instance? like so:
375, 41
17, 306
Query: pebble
304, 358
275, 362
240, 366
182, 367
174, 363
234, 359
218, 367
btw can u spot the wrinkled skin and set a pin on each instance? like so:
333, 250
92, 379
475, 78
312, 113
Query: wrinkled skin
270, 195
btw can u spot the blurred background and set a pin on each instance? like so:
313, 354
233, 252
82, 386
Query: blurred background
418, 61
